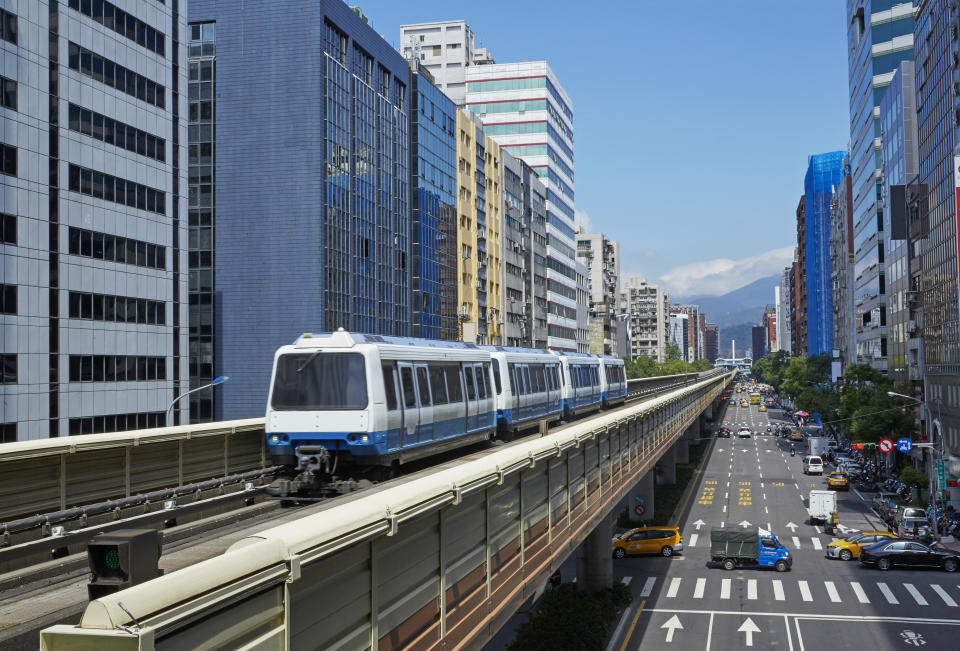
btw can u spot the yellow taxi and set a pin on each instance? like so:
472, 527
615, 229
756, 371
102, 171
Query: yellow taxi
838, 480
849, 547
796, 436
761, 408
743, 403
665, 541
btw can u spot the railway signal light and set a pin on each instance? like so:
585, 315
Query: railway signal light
121, 559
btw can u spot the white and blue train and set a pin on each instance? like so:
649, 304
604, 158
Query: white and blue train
378, 401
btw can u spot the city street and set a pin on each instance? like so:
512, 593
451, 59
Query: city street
683, 603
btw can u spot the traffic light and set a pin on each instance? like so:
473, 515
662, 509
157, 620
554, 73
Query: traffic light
944, 496
869, 446
121, 559
856, 446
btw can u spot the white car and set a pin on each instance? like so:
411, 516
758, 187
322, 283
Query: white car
743, 433
812, 465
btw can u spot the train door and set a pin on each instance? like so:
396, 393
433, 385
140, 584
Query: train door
473, 405
515, 388
425, 428
411, 408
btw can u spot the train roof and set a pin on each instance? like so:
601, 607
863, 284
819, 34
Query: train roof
343, 339
515, 349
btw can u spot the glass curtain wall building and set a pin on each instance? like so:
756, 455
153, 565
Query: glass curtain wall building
879, 37
824, 174
93, 145
312, 184
433, 209
525, 109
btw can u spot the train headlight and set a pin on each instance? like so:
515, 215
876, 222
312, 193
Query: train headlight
364, 438
274, 439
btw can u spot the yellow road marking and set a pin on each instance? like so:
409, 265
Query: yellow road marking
633, 624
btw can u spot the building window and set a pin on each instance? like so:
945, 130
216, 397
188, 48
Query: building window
8, 299
110, 188
121, 309
113, 248
116, 423
8, 158
8, 88
114, 132
8, 229
117, 368
8, 432
9, 26
122, 23
116, 76
8, 365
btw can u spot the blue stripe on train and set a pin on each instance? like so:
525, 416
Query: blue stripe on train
530, 412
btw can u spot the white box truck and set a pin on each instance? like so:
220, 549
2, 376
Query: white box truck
822, 508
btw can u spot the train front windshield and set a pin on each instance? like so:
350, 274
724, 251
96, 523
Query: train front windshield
320, 381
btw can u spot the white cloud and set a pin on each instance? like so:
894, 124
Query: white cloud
724, 275
583, 221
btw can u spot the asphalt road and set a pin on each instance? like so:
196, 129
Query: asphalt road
822, 604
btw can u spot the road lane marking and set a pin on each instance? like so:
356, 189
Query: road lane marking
626, 580
764, 496
693, 539
698, 590
751, 589
816, 543
796, 542
674, 587
915, 594
778, 590
633, 625
766, 510
648, 586
726, 495
888, 594
861, 595
725, 588
724, 508
947, 599
805, 591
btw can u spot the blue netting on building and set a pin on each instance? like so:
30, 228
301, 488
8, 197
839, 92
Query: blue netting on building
824, 173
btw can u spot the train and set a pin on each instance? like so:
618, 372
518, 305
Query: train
373, 403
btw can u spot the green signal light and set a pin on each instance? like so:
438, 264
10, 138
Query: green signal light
112, 559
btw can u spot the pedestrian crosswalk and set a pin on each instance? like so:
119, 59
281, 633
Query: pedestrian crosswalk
693, 540
786, 589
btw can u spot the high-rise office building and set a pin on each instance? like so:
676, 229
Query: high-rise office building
841, 268
783, 316
315, 170
679, 333
758, 339
92, 217
648, 307
933, 227
711, 342
601, 256
694, 330
525, 109
879, 37
898, 128
433, 209
770, 328
824, 173
446, 49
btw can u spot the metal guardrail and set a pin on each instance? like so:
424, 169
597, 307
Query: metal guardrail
431, 561
54, 474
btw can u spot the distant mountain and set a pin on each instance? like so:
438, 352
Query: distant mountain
736, 311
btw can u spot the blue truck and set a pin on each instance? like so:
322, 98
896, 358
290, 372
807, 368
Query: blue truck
750, 547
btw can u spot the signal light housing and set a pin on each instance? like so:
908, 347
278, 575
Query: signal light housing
121, 559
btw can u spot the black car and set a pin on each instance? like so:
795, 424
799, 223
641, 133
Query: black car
907, 553
723, 433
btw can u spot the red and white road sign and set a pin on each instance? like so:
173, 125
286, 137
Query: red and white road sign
886, 445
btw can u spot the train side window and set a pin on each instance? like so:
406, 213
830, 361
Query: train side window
454, 387
527, 387
486, 379
390, 387
438, 385
471, 389
554, 371
424, 386
551, 379
595, 375
481, 384
409, 393
539, 382
496, 377
517, 378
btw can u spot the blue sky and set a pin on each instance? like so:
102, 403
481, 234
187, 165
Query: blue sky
692, 126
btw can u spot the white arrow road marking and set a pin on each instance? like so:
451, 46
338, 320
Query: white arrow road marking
805, 591
887, 594
778, 590
796, 542
861, 595
648, 586
832, 591
724, 588
672, 625
699, 588
626, 580
744, 524
791, 526
816, 543
947, 599
674, 587
698, 524
915, 594
752, 589
693, 539
749, 628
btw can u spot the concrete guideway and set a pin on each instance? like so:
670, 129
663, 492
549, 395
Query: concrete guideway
820, 603
438, 559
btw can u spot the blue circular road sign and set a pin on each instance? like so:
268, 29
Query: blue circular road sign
904, 445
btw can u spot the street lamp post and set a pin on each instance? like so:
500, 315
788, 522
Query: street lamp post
219, 380
933, 453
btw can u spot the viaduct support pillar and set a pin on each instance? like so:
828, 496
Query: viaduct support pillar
681, 449
640, 499
668, 466
595, 558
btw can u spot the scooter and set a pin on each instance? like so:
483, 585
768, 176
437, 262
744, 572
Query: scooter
793, 452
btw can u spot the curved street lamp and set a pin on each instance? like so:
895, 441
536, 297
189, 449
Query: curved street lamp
219, 380
934, 488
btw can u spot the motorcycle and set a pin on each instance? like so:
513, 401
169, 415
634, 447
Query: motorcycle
793, 452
